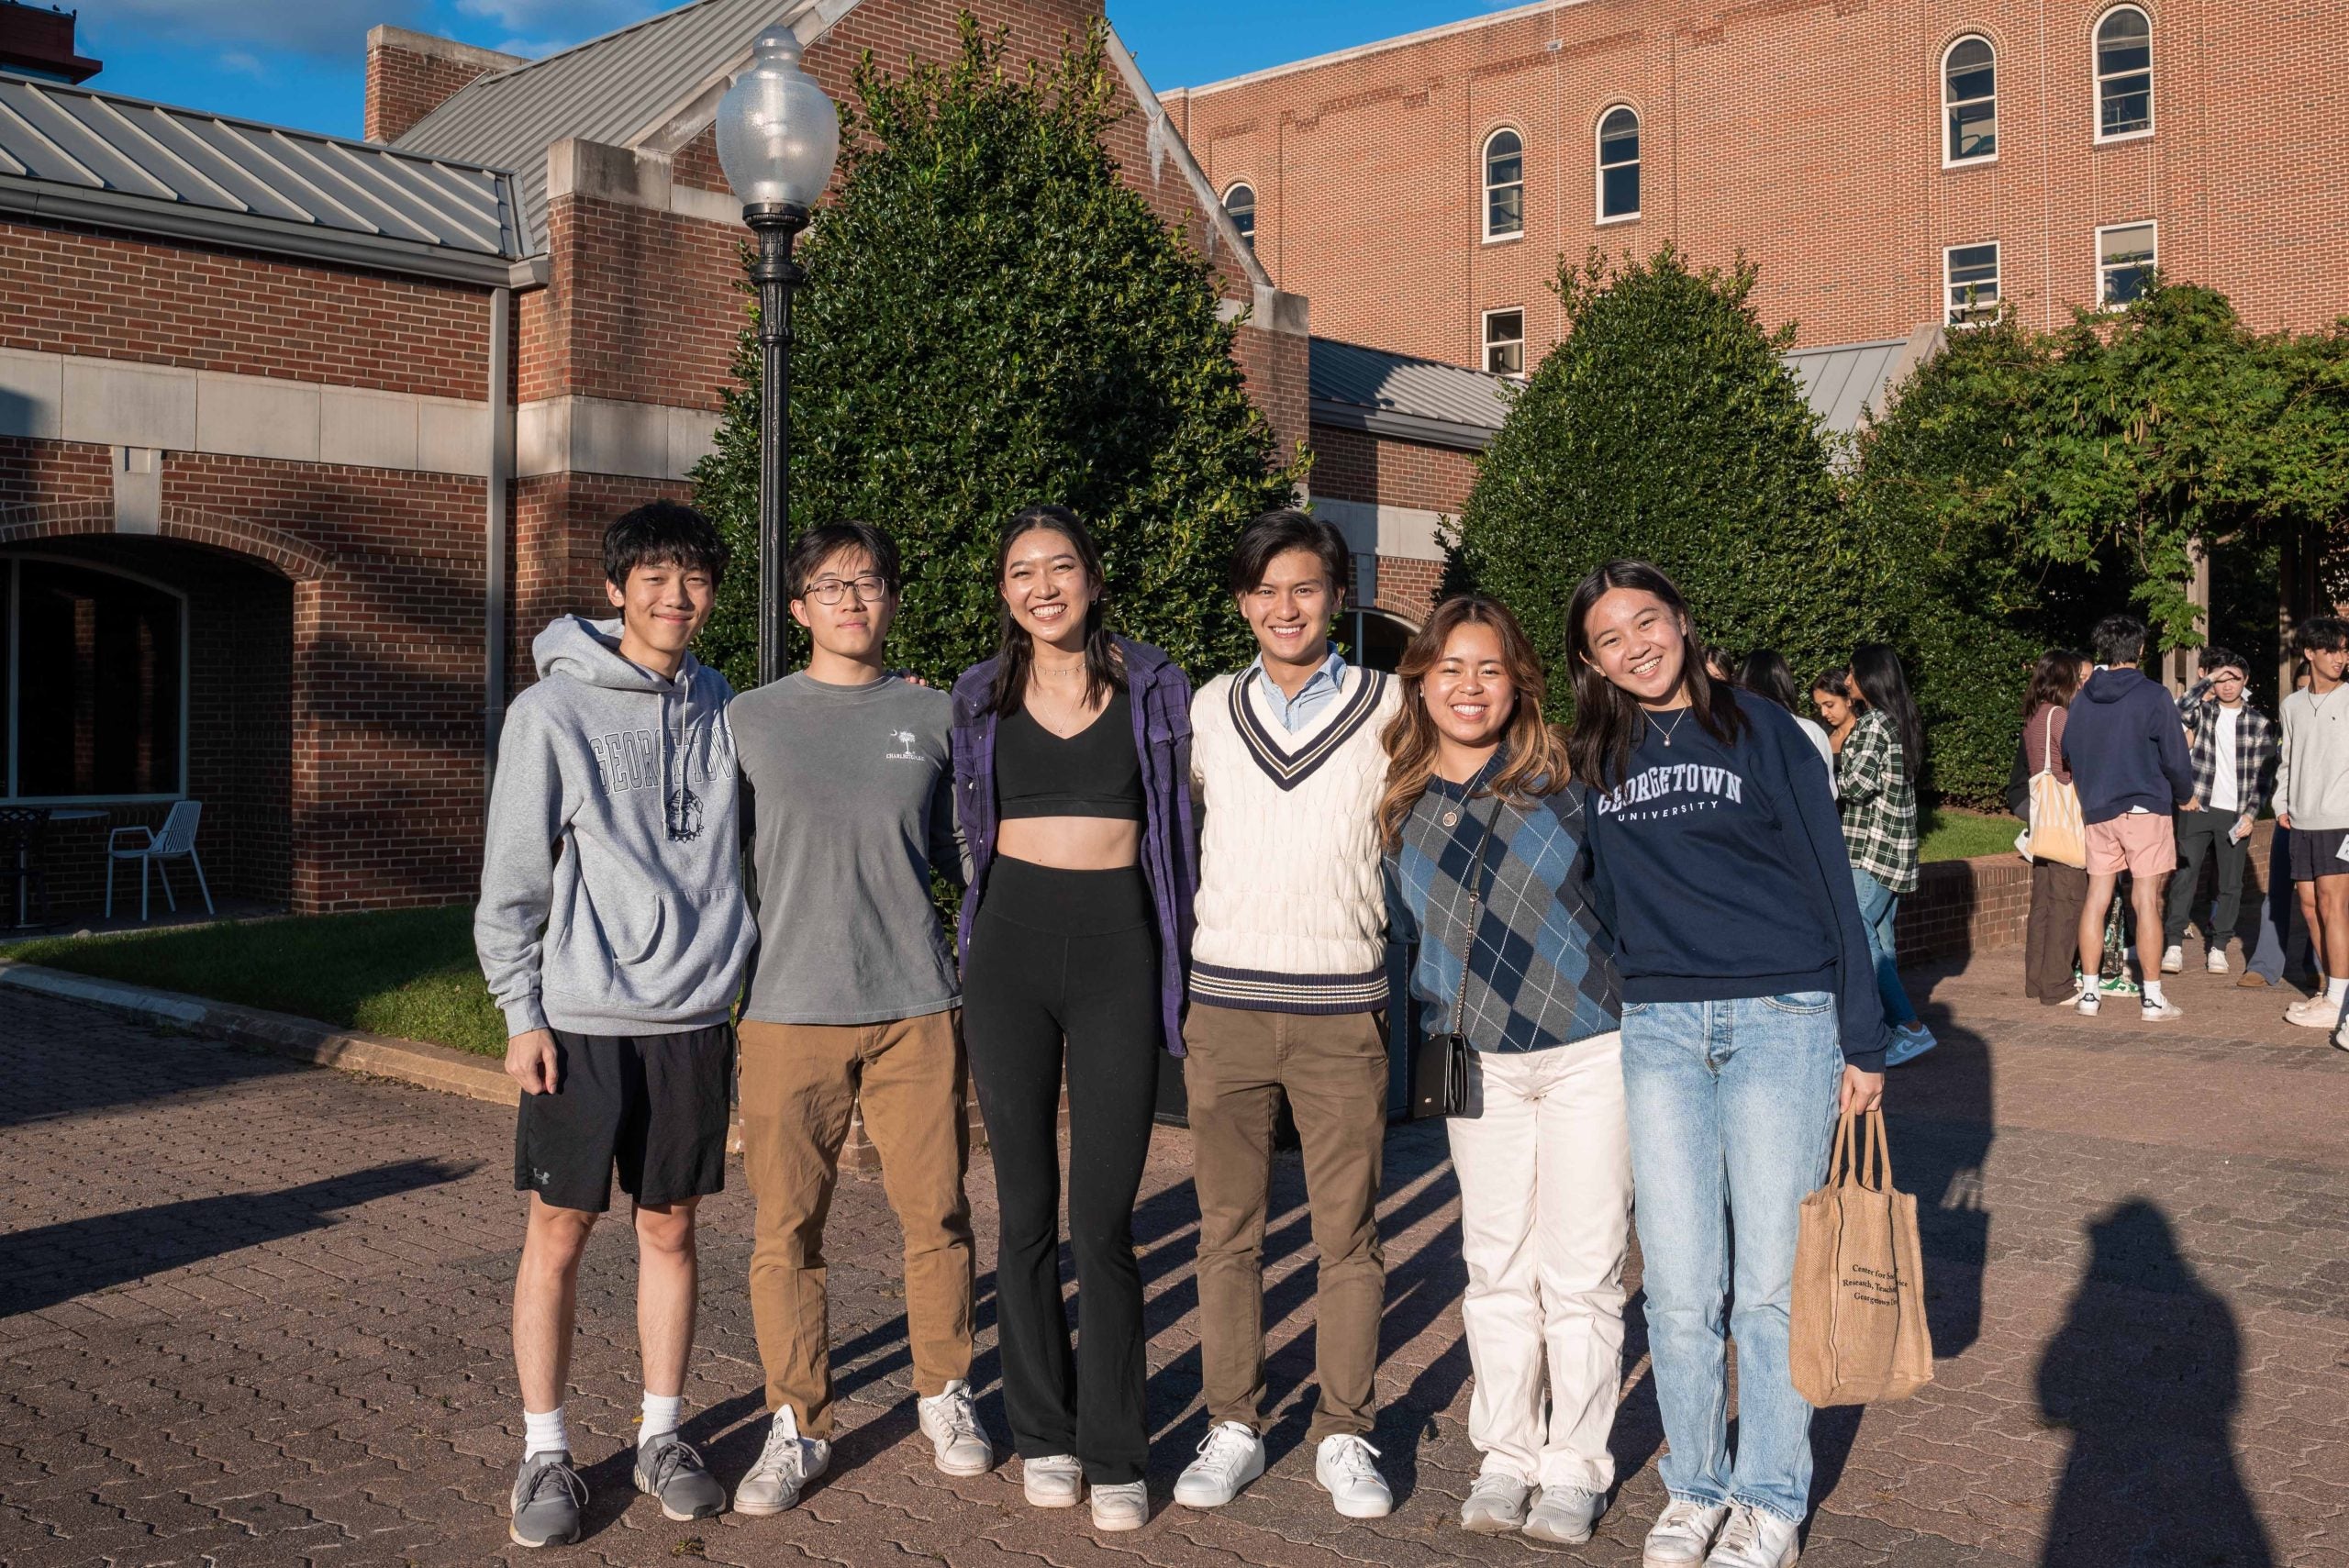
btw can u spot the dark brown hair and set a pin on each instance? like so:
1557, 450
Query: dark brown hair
1534, 751
1277, 532
1608, 720
2053, 679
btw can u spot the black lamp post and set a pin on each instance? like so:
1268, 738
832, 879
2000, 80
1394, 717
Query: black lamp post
778, 137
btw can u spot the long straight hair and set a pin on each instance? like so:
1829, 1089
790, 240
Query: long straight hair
1534, 752
1016, 649
1875, 671
2053, 679
1608, 720
1766, 674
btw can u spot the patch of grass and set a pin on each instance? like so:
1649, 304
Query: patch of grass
407, 972
1952, 834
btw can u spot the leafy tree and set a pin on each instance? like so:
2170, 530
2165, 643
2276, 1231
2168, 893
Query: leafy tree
1666, 425
992, 318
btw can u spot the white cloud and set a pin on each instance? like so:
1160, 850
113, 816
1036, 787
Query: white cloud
322, 28
541, 27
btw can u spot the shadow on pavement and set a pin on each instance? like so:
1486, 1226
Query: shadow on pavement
57, 1263
2145, 1373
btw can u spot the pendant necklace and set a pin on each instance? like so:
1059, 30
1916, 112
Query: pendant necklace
1677, 714
1451, 813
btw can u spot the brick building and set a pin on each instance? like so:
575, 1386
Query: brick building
301, 439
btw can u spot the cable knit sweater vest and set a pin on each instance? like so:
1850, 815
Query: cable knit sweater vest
1291, 915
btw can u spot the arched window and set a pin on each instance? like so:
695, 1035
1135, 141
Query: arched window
1240, 206
1619, 165
2124, 73
106, 718
1504, 185
1970, 101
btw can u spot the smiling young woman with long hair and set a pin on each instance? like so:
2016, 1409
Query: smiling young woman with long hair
1483, 827
1749, 1012
1071, 776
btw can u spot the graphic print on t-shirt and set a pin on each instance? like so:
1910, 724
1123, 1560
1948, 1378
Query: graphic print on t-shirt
1671, 790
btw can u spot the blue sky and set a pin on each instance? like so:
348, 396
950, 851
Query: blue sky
302, 62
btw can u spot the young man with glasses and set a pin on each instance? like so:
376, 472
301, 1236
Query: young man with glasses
855, 1004
2234, 766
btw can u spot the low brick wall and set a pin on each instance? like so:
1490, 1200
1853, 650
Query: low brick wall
1962, 907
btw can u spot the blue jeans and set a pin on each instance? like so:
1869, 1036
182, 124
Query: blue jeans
1731, 1107
1878, 904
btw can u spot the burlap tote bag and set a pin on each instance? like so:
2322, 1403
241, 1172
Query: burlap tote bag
1859, 1304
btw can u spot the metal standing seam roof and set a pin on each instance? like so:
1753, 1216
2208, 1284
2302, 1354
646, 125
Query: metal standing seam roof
68, 153
614, 89
1845, 382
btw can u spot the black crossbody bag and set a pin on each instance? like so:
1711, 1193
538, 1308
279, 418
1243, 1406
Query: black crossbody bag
1440, 1063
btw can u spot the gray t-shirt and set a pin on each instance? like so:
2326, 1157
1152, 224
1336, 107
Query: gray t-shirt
848, 801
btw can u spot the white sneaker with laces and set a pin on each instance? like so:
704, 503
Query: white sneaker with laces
785, 1466
1752, 1539
2216, 964
2159, 1012
1230, 1456
1682, 1534
1496, 1506
2341, 1036
2173, 960
1564, 1515
1056, 1480
2090, 999
2317, 1012
949, 1419
1125, 1505
1346, 1467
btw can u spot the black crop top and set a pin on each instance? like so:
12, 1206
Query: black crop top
1095, 773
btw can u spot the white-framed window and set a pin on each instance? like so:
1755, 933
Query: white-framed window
1970, 276
1505, 341
2126, 255
2124, 74
1969, 101
96, 682
1504, 185
1240, 206
1618, 164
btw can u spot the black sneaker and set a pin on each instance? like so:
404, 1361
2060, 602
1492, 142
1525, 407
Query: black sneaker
668, 1470
548, 1497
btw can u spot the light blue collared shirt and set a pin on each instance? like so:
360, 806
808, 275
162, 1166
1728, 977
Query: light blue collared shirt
1320, 689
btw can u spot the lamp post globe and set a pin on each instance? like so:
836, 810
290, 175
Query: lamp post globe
778, 138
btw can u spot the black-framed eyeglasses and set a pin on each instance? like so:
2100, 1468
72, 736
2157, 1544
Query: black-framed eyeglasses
831, 590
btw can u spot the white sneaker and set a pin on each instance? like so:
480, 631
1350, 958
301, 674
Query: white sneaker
2173, 960
2317, 1012
1683, 1533
1910, 1042
1230, 1456
1056, 1480
1496, 1506
1752, 1539
949, 1419
785, 1466
1125, 1505
2341, 1036
1566, 1515
2216, 962
2090, 999
1343, 1466
2160, 1012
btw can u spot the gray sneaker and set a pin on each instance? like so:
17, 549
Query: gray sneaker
548, 1496
1495, 1504
1564, 1515
669, 1471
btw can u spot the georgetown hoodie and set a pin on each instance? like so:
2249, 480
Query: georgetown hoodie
611, 888
2126, 748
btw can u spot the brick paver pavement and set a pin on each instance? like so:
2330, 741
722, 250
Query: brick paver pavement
252, 1313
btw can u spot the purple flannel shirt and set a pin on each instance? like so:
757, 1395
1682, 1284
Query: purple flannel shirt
1160, 699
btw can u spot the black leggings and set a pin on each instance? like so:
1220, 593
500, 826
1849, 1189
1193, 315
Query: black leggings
1067, 955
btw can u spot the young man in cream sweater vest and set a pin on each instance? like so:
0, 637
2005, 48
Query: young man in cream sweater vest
1288, 981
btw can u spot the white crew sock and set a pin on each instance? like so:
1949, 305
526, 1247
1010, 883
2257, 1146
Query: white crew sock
661, 1412
2337, 990
544, 1432
2153, 997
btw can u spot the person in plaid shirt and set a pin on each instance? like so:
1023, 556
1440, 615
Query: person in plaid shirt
2234, 748
1876, 785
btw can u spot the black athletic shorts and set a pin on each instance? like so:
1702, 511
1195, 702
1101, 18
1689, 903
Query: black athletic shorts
656, 1104
2316, 853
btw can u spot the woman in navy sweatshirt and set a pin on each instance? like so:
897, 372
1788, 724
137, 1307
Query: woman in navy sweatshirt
1750, 1015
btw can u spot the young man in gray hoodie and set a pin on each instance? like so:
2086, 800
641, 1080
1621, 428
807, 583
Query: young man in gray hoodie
613, 932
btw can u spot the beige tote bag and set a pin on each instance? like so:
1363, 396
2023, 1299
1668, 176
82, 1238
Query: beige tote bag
2056, 833
1859, 1332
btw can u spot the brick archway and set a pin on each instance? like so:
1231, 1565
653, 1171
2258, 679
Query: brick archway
63, 519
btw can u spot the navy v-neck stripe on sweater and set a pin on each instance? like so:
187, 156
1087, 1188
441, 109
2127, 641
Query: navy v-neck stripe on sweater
1721, 872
